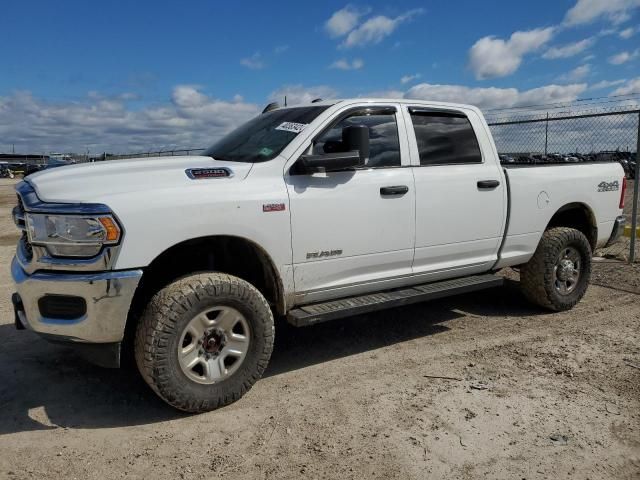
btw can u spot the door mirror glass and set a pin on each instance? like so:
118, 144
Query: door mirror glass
356, 138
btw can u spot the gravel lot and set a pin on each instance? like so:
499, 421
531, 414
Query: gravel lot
529, 395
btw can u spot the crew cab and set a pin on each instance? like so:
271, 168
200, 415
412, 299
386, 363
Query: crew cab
311, 213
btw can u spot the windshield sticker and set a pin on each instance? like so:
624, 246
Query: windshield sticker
291, 127
266, 151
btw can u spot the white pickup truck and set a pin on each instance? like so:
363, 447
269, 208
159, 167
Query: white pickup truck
312, 213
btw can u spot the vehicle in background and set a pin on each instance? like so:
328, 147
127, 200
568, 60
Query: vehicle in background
6, 170
625, 159
32, 168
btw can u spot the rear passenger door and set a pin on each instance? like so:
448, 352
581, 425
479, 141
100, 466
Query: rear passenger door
460, 196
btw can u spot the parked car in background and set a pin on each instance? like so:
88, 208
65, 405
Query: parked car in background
626, 159
50, 163
6, 170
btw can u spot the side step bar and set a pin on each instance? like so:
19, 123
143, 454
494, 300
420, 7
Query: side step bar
347, 307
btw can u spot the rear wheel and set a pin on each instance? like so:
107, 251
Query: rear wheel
557, 276
204, 340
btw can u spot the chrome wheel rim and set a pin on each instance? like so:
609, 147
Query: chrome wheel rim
567, 271
213, 345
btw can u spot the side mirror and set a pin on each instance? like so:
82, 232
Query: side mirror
352, 152
356, 138
329, 162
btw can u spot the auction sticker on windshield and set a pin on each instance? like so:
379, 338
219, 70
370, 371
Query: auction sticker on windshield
291, 127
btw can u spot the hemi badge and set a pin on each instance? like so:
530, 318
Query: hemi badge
273, 207
200, 173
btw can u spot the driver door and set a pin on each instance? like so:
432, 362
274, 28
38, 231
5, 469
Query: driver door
353, 230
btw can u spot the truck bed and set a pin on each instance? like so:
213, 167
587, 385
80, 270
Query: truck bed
537, 192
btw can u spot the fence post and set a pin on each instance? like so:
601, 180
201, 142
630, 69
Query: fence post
546, 134
634, 210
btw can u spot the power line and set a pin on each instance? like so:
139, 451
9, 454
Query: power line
565, 104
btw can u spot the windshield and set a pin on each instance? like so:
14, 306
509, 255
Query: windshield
263, 137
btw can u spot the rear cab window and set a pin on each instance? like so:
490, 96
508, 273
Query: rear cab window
444, 137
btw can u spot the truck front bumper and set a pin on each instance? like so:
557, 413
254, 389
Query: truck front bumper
87, 310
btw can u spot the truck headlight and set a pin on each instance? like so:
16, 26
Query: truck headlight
72, 235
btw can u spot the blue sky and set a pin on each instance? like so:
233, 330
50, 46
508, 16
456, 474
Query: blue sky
136, 75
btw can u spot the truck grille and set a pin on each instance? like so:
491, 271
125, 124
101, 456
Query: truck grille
18, 216
26, 246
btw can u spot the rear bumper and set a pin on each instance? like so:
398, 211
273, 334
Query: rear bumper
618, 230
107, 296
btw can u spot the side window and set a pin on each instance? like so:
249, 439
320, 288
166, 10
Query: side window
445, 138
384, 146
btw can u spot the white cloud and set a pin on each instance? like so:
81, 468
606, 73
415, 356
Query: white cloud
344, 20
577, 74
492, 57
254, 62
632, 86
193, 118
344, 64
409, 78
587, 11
568, 50
623, 57
280, 49
493, 97
377, 28
299, 94
627, 33
190, 119
606, 84
383, 94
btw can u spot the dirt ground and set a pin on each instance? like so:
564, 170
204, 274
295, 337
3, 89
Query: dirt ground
529, 394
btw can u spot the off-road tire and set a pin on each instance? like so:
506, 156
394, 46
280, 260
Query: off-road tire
537, 276
163, 321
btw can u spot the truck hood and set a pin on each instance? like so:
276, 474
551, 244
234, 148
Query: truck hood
88, 182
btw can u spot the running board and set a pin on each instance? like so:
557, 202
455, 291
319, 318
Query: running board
347, 307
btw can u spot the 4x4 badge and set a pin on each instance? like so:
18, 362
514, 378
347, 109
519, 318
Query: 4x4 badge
608, 186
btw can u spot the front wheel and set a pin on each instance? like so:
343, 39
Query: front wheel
557, 276
204, 340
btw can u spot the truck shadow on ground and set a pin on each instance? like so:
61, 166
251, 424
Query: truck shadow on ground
46, 386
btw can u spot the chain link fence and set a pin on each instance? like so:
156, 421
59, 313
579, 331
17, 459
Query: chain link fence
577, 137
159, 153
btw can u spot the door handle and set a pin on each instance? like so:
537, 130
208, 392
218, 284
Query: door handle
394, 190
486, 184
